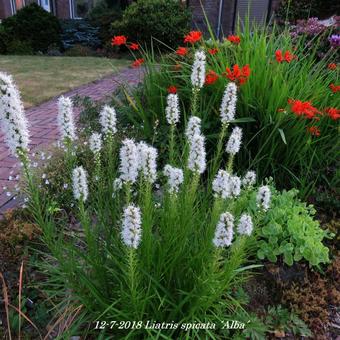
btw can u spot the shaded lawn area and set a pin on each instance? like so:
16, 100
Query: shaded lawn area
40, 78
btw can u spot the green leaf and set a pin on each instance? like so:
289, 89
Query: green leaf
282, 134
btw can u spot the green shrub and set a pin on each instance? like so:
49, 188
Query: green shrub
290, 231
103, 16
33, 25
163, 20
18, 47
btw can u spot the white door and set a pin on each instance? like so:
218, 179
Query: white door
45, 4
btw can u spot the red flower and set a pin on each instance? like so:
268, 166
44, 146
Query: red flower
235, 39
172, 89
211, 78
278, 56
333, 113
334, 88
314, 131
238, 75
182, 51
119, 40
287, 57
137, 63
300, 108
332, 66
193, 37
213, 51
133, 46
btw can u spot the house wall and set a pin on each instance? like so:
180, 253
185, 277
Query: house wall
5, 9
62, 8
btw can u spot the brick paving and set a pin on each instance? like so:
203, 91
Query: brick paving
44, 130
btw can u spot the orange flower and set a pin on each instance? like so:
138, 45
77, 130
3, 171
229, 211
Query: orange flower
193, 37
172, 89
334, 88
306, 109
182, 51
314, 131
213, 51
119, 40
211, 78
238, 75
332, 66
137, 63
133, 46
333, 113
235, 39
287, 57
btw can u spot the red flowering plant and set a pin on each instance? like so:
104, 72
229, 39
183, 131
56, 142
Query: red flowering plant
211, 78
172, 89
119, 40
237, 74
234, 39
333, 113
284, 57
193, 37
314, 131
334, 88
138, 62
182, 51
304, 109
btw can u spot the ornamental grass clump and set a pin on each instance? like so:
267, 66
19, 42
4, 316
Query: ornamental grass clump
152, 243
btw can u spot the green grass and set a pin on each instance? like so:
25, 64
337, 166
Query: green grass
41, 78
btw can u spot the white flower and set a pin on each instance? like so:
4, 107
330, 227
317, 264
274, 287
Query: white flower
228, 105
108, 120
147, 162
263, 197
12, 117
193, 127
79, 181
234, 142
235, 186
172, 109
129, 161
95, 142
249, 179
221, 184
198, 70
175, 178
224, 231
132, 230
197, 155
245, 225
65, 118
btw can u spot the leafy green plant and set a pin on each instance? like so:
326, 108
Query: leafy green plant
35, 26
162, 20
290, 231
281, 321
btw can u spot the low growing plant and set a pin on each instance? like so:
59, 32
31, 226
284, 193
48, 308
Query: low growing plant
290, 230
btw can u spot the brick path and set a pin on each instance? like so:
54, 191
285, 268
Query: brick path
44, 130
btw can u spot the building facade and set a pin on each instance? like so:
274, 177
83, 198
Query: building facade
63, 9
223, 14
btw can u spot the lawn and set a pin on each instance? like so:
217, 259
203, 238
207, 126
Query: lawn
41, 78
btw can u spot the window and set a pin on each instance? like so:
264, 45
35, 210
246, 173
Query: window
79, 8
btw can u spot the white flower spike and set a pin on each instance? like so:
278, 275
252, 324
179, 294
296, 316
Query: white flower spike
148, 161
193, 127
249, 179
224, 231
198, 70
65, 119
263, 197
172, 109
79, 181
234, 142
12, 117
129, 161
228, 105
197, 154
175, 178
108, 120
245, 225
132, 226
95, 142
